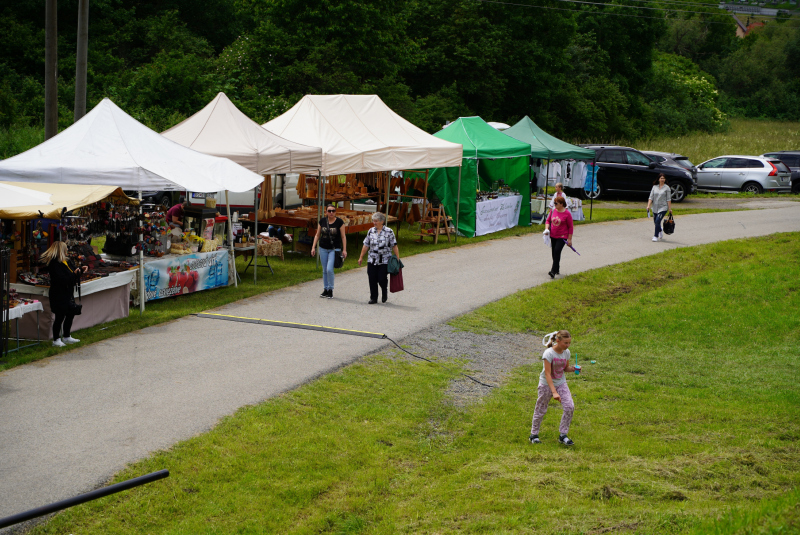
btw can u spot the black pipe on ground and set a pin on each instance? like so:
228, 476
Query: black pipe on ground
83, 498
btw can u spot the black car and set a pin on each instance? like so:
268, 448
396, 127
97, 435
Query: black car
165, 198
791, 159
627, 170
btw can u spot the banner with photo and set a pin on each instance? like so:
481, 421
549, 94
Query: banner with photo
180, 275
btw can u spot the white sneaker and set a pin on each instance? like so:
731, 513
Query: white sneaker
661, 235
70, 340
58, 343
655, 239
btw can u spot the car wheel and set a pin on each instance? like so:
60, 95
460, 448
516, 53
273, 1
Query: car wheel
678, 191
598, 191
752, 187
166, 201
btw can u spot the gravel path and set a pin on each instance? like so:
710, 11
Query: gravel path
70, 422
489, 358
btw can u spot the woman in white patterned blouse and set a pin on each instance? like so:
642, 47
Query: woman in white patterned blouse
380, 243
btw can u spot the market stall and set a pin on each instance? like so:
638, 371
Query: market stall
74, 214
221, 129
554, 161
109, 147
362, 141
494, 166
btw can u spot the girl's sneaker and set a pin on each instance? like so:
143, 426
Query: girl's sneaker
564, 439
535, 439
58, 343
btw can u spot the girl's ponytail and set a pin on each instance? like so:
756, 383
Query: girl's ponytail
550, 339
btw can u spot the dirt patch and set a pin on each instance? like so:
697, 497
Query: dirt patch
489, 358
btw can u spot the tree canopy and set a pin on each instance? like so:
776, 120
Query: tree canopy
581, 71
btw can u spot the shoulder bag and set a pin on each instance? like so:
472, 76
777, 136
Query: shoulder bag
669, 225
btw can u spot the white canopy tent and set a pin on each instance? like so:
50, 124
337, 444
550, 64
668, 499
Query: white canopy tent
221, 129
361, 134
109, 147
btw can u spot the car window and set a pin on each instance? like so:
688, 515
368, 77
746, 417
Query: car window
716, 163
684, 162
611, 156
755, 164
780, 166
737, 163
790, 161
657, 158
636, 158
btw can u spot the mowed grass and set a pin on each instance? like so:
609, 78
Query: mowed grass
687, 422
745, 136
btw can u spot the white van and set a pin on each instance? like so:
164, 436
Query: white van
245, 202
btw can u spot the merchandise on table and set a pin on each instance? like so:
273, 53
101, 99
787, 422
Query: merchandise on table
14, 300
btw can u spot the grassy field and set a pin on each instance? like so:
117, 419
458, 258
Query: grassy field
687, 423
746, 136
295, 269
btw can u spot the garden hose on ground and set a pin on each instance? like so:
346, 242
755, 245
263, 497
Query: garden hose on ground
321, 328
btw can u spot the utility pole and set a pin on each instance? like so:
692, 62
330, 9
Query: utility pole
51, 69
81, 59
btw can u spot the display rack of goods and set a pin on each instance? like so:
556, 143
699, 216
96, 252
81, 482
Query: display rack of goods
343, 187
155, 234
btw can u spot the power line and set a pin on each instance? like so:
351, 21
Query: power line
608, 13
667, 10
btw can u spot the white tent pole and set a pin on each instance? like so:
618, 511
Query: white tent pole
320, 201
142, 295
458, 201
232, 259
255, 232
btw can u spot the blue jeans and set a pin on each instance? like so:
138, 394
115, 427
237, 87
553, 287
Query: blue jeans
659, 217
327, 256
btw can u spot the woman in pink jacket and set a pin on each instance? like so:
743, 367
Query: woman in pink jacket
559, 225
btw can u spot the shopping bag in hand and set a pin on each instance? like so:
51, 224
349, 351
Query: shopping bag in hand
396, 281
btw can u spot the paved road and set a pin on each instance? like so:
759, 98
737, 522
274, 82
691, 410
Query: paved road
70, 422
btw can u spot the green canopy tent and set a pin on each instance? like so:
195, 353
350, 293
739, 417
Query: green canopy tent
545, 146
489, 155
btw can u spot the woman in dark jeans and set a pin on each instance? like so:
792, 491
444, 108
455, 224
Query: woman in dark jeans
63, 278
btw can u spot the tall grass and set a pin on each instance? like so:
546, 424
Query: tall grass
746, 136
690, 411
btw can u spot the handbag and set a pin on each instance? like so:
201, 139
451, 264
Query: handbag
396, 282
74, 308
669, 225
338, 261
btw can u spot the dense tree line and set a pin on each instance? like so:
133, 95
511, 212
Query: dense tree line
592, 72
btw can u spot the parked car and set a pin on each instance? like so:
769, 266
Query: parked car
673, 159
629, 170
791, 159
244, 202
164, 198
750, 174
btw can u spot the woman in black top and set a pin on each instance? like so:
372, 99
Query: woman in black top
63, 278
331, 237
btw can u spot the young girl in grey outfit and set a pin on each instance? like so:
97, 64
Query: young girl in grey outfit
553, 385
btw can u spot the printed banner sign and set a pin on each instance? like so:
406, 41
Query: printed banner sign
497, 214
179, 275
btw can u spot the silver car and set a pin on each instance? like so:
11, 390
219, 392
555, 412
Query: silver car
749, 174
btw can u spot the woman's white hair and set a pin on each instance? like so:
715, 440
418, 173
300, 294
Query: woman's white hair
379, 216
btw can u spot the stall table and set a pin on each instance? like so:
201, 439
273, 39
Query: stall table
18, 312
105, 299
497, 214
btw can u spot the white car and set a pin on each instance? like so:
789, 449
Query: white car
244, 202
749, 174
